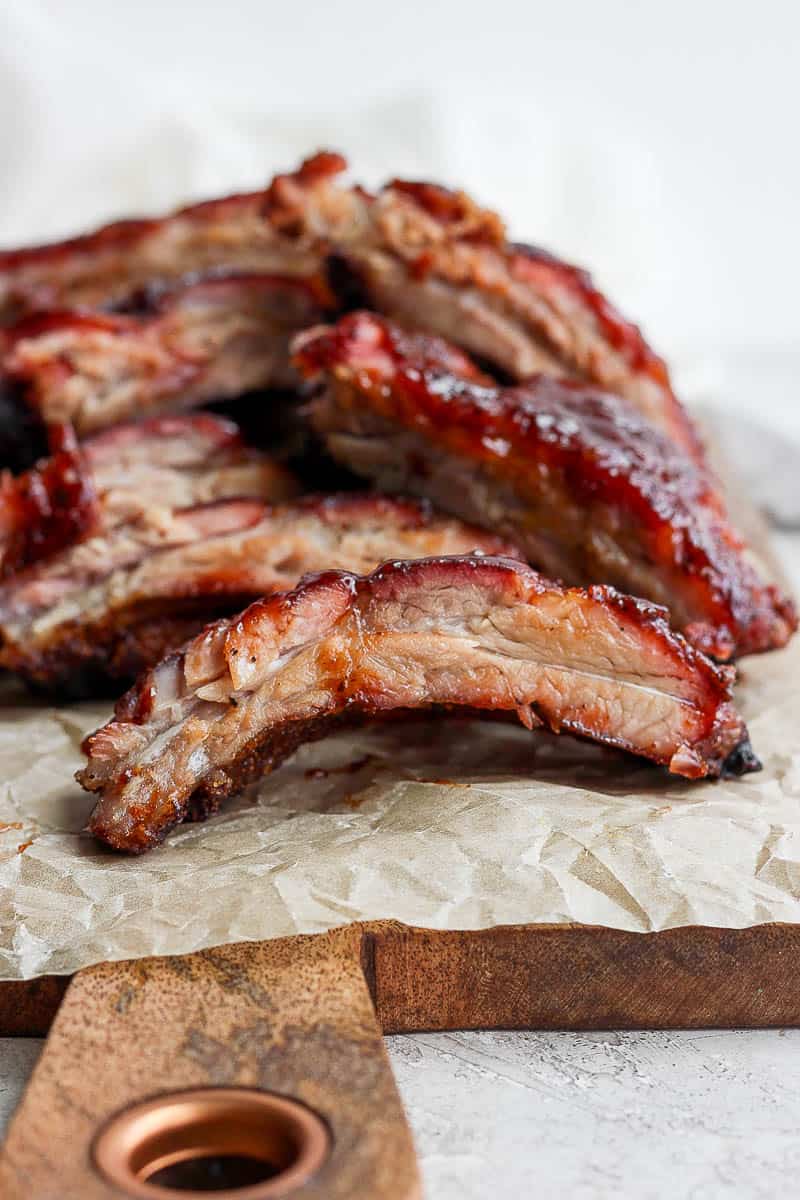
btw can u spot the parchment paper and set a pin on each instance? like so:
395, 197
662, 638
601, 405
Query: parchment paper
458, 824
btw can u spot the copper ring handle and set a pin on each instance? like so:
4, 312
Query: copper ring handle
288, 1139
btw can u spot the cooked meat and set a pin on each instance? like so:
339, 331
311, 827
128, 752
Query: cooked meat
51, 506
587, 488
249, 233
106, 608
138, 472
426, 256
177, 462
203, 341
435, 261
481, 633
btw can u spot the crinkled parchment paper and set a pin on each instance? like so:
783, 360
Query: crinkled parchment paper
442, 823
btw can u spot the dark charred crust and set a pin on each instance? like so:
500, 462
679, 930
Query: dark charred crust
97, 659
23, 437
741, 761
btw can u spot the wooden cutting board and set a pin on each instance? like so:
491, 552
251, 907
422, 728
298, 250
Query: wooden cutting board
303, 1017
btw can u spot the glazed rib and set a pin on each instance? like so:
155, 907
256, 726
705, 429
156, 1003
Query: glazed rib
243, 233
433, 260
203, 340
587, 488
109, 607
417, 252
138, 472
480, 633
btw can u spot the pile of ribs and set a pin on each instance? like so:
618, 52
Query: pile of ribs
490, 499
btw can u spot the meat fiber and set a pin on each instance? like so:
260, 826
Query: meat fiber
474, 633
202, 341
138, 472
587, 488
251, 233
112, 605
433, 260
417, 252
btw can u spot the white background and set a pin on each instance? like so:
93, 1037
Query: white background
655, 142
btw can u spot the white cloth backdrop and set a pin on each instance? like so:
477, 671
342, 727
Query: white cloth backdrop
655, 143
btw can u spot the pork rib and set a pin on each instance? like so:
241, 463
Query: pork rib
435, 261
481, 633
204, 340
249, 233
138, 472
585, 486
424, 255
109, 607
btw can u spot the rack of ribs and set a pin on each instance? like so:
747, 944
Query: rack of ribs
585, 486
202, 340
106, 608
466, 632
429, 257
138, 472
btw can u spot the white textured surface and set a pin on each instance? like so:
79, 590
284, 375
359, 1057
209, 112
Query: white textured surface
700, 1114
672, 1115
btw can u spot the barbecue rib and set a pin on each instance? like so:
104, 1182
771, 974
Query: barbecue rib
204, 340
424, 255
139, 472
585, 486
243, 233
113, 605
481, 633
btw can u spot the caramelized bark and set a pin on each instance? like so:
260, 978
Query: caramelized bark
49, 507
477, 633
417, 252
587, 488
201, 341
138, 472
111, 606
235, 233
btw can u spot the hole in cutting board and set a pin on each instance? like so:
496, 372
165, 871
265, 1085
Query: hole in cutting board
229, 1142
213, 1173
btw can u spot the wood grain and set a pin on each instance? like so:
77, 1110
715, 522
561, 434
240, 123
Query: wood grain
292, 1016
538, 977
